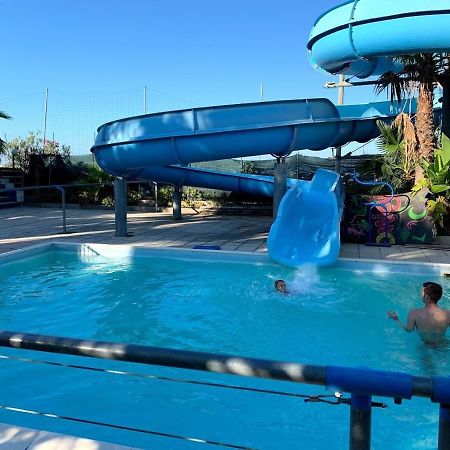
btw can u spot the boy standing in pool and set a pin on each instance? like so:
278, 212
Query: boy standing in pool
431, 322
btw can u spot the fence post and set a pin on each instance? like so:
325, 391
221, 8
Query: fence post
360, 422
120, 206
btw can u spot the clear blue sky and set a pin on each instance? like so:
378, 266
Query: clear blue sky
95, 56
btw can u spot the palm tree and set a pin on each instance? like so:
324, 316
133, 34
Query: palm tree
397, 143
424, 70
3, 115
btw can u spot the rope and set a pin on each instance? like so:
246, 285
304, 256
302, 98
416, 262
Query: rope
162, 378
123, 427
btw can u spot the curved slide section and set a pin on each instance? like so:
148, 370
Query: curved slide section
157, 147
233, 131
307, 226
360, 37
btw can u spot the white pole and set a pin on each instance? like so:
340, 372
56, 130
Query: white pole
337, 163
45, 113
145, 99
261, 92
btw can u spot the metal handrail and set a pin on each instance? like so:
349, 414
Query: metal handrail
361, 383
61, 188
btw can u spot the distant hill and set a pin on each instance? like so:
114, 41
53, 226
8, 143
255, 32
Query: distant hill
86, 159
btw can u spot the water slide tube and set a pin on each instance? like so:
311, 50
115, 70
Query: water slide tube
360, 37
158, 147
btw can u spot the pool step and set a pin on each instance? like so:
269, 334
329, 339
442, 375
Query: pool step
11, 198
18, 438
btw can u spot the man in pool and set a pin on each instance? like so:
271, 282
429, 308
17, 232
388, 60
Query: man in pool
431, 322
280, 286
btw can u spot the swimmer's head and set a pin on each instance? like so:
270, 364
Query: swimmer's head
431, 292
280, 286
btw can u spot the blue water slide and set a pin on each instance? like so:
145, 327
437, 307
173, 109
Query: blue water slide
306, 229
182, 137
159, 147
360, 37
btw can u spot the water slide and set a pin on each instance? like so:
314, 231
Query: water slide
360, 37
353, 38
159, 147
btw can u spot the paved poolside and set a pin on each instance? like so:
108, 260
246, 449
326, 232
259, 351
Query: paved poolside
25, 226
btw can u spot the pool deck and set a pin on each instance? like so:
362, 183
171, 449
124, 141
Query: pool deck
25, 226
19, 438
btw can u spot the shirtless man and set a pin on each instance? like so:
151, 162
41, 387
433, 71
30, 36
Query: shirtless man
431, 322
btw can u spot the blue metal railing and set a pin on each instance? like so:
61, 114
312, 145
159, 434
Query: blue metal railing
361, 383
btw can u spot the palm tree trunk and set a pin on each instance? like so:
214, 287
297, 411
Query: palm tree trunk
424, 126
446, 106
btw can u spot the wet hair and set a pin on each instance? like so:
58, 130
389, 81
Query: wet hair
278, 284
433, 290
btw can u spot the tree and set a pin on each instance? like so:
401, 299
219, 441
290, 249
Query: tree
43, 162
397, 143
3, 115
421, 71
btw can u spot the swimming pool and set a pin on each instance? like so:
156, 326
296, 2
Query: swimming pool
214, 302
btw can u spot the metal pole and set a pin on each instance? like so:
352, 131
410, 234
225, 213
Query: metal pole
120, 207
45, 113
360, 422
156, 197
63, 202
337, 163
261, 92
176, 203
444, 427
63, 205
279, 186
145, 99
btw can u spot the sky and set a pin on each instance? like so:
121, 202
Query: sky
96, 56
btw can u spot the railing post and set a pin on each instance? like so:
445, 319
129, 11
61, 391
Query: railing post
63, 206
120, 207
63, 202
360, 422
444, 427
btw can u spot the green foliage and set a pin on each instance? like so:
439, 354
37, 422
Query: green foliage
248, 167
95, 194
108, 201
42, 162
395, 165
3, 115
165, 195
437, 180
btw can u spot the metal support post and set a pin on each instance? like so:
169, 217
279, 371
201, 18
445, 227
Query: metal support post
337, 162
156, 196
120, 207
279, 187
444, 427
176, 202
63, 206
360, 422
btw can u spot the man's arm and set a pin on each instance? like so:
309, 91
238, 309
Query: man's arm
410, 323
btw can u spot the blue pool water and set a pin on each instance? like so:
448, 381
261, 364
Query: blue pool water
334, 316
